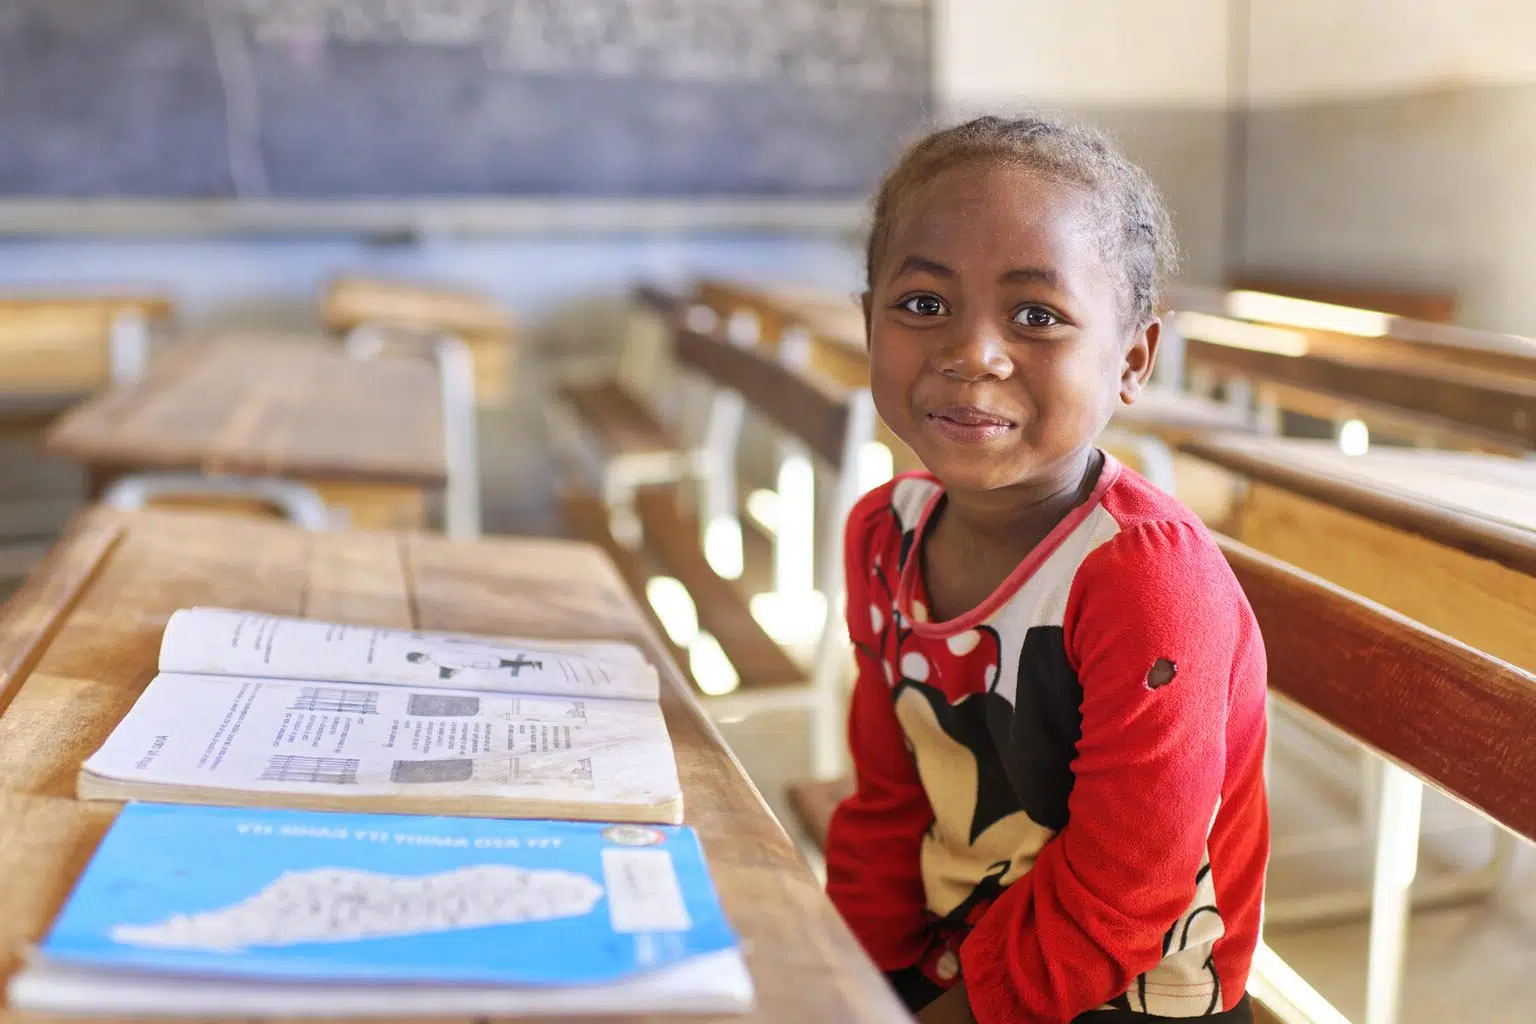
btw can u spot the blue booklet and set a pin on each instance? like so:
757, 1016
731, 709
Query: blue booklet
270, 911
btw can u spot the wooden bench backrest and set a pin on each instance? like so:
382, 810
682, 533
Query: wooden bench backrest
1437, 307
1461, 720
1404, 337
804, 405
57, 344
351, 301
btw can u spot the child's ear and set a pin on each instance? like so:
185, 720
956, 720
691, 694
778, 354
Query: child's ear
1136, 367
864, 301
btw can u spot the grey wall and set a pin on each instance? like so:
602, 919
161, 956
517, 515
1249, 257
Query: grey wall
1435, 190
1184, 151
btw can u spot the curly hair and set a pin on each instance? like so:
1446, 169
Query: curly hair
1137, 232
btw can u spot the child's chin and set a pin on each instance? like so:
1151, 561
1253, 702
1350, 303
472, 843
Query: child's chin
968, 476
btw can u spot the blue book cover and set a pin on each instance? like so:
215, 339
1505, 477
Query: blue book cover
309, 896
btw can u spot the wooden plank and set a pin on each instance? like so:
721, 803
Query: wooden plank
1457, 717
623, 422
47, 841
1414, 304
150, 305
106, 648
352, 300
267, 406
1480, 602
30, 616
586, 519
1437, 509
804, 405
358, 578
723, 611
371, 505
805, 963
1327, 330
1483, 403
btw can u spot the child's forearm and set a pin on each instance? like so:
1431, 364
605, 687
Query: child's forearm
950, 1008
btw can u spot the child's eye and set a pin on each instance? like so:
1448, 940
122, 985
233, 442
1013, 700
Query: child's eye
1036, 316
925, 305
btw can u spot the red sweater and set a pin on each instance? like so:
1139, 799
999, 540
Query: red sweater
1060, 794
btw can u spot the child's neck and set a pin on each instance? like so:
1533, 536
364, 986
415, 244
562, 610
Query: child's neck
980, 536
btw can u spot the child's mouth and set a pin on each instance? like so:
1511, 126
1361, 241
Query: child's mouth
967, 424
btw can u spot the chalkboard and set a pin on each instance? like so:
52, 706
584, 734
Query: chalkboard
333, 99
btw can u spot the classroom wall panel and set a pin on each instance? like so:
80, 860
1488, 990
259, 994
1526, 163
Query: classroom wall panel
1392, 142
1110, 63
1428, 189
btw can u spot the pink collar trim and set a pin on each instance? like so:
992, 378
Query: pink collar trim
1108, 474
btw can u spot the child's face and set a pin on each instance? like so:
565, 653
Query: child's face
997, 333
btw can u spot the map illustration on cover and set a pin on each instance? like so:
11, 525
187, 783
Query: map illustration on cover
310, 896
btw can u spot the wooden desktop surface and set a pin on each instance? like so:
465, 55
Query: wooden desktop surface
1448, 538
79, 642
266, 406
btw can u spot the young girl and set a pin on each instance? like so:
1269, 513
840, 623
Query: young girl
1058, 726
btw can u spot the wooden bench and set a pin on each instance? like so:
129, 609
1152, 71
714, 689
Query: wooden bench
1446, 538
1431, 383
488, 330
1413, 304
367, 437
57, 348
79, 643
609, 428
671, 534
1435, 709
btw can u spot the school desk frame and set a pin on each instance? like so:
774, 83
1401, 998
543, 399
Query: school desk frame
456, 376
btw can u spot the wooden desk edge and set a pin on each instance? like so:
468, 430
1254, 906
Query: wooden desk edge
31, 616
111, 460
1482, 538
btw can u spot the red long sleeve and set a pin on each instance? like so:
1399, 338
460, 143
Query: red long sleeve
1060, 792
1092, 914
873, 873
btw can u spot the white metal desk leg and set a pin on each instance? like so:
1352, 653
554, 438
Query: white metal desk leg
128, 346
1397, 860
456, 372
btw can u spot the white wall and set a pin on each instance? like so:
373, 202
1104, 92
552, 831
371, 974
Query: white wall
1392, 141
1309, 50
1083, 53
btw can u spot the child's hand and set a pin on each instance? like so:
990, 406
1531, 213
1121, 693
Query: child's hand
950, 1008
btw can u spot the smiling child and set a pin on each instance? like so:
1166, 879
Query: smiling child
1058, 725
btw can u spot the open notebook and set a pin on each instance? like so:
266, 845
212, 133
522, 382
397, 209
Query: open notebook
261, 710
233, 912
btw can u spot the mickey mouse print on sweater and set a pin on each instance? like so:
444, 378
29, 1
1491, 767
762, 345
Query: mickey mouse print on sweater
989, 710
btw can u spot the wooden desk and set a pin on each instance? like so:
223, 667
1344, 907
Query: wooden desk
1434, 306
79, 643
1447, 538
368, 436
485, 327
1425, 381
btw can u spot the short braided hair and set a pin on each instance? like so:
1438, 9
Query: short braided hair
1134, 223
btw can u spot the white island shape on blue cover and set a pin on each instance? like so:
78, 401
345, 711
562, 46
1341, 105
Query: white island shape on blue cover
189, 909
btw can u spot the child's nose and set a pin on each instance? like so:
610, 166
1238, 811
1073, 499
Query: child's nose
977, 352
